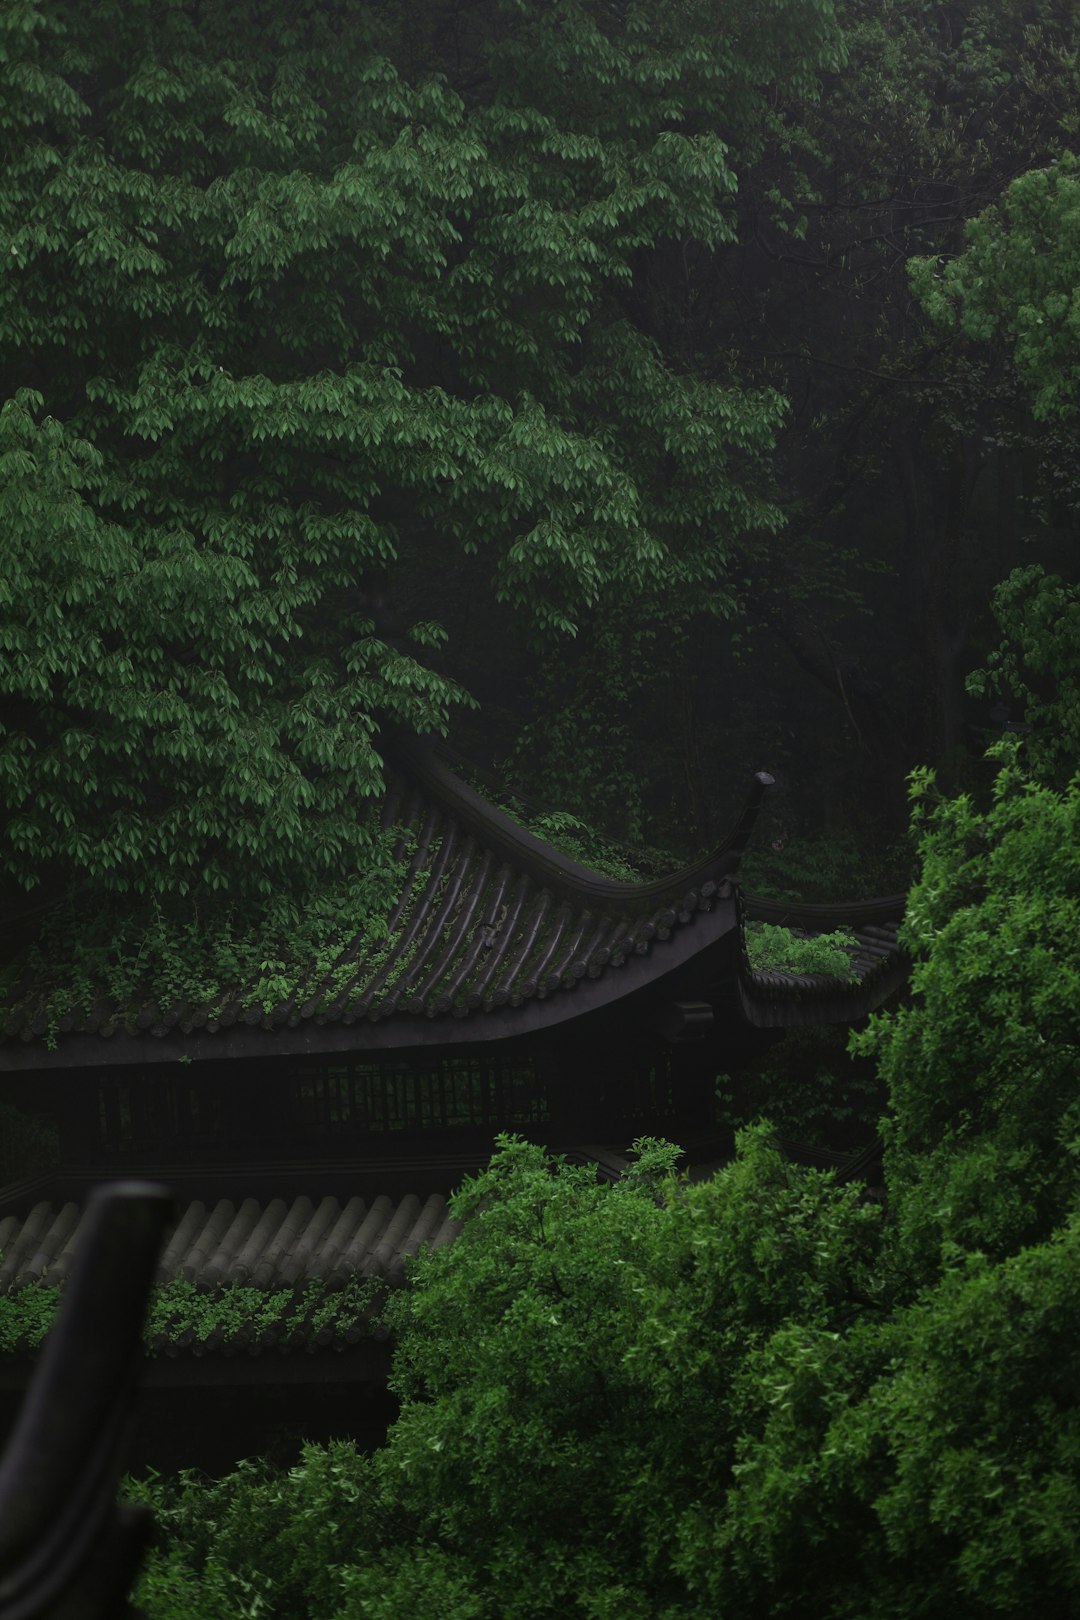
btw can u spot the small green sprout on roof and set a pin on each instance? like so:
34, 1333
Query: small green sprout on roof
778, 950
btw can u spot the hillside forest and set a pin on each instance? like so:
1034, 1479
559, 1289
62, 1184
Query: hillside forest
636, 393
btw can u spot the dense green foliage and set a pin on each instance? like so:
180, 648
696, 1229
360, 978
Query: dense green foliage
737, 347
561, 1411
289, 293
985, 1156
757, 1395
435, 307
313, 320
1017, 281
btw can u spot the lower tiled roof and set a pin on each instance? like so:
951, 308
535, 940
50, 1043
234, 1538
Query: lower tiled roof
311, 1249
772, 999
272, 1245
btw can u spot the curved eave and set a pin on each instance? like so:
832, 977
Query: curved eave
494, 934
783, 1001
550, 868
402, 1031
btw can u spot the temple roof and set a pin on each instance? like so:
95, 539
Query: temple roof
494, 933
491, 921
279, 1274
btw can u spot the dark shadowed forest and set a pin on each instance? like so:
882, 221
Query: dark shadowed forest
634, 394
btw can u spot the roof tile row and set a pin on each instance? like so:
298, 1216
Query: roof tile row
264, 1246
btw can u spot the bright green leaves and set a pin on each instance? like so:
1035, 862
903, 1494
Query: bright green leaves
773, 947
923, 1460
1018, 280
1038, 664
179, 1313
159, 734
711, 1401
981, 1067
970, 1442
571, 1368
667, 1399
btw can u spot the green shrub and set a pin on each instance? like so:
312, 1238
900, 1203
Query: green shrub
779, 950
981, 1064
810, 1087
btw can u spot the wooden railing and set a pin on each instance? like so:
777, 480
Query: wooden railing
68, 1550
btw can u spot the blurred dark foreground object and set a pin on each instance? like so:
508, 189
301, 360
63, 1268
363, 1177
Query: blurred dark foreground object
68, 1551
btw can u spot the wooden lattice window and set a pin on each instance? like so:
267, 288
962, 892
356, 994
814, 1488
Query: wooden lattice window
445, 1094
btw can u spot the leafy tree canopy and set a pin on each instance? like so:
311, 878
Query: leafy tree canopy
1017, 280
289, 292
674, 1401
758, 1395
981, 1067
